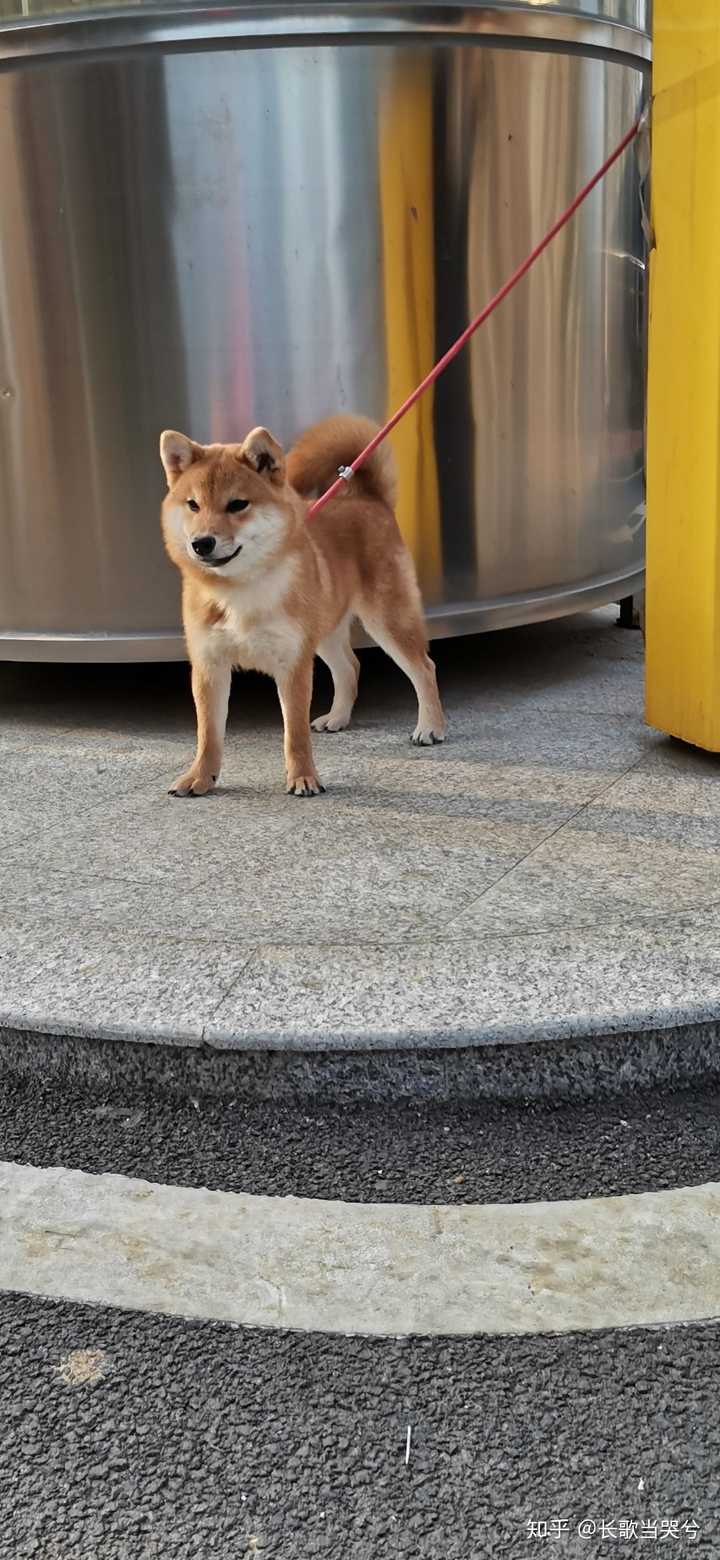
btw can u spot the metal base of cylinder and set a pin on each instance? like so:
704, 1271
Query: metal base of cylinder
445, 622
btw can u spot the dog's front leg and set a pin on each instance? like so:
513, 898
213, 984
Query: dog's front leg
211, 692
295, 690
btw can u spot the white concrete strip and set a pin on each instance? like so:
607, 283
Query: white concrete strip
361, 1268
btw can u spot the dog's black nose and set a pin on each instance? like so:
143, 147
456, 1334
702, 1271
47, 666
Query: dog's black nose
203, 546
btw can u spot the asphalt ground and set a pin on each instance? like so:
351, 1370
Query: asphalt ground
138, 1437
387, 1152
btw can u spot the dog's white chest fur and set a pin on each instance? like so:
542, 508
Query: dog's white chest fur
270, 647
256, 631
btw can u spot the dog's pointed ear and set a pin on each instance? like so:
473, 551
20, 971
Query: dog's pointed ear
264, 454
177, 453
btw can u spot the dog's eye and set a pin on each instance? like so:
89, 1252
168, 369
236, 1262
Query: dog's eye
236, 506
193, 506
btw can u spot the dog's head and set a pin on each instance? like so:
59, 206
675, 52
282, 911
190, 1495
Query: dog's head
227, 511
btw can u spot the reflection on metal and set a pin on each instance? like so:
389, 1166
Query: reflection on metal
207, 234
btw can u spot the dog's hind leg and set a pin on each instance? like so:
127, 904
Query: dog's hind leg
337, 653
396, 624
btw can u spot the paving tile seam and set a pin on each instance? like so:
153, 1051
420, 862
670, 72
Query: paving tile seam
236, 980
225, 939
139, 934
633, 916
430, 939
552, 833
419, 919
369, 1269
97, 879
17, 855
464, 904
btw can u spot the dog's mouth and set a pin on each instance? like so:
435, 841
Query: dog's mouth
219, 563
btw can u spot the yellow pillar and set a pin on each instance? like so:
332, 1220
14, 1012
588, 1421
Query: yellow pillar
683, 487
406, 188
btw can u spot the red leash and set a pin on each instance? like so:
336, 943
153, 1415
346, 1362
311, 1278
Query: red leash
347, 472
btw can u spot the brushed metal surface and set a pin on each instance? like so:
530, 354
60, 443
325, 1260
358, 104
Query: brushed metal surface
198, 237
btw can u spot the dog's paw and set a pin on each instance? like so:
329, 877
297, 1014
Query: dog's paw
331, 722
425, 736
304, 785
194, 783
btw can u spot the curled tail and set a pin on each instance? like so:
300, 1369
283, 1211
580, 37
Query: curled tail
314, 459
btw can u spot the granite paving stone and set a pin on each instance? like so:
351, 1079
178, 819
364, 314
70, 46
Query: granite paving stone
657, 972
587, 874
551, 869
59, 976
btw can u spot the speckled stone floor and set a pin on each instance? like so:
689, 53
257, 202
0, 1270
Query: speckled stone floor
550, 873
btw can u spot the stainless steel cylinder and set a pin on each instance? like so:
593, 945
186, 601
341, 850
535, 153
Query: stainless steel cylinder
213, 218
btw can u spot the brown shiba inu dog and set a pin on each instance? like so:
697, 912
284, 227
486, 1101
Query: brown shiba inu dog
266, 589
